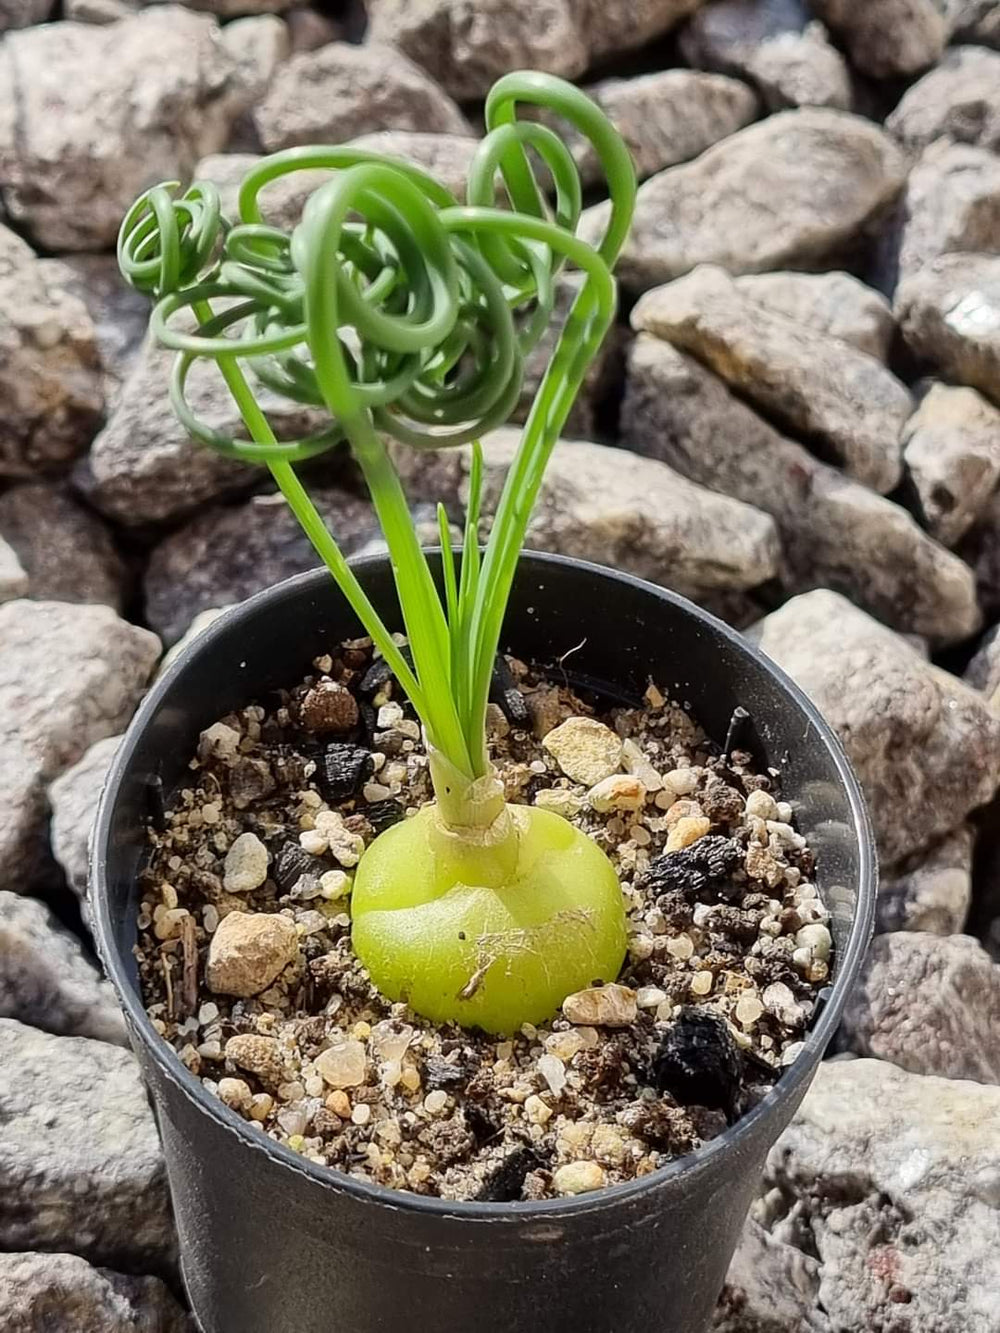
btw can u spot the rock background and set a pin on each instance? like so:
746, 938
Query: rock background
796, 422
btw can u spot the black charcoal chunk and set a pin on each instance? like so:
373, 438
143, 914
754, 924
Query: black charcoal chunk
504, 693
505, 1183
693, 870
289, 863
344, 769
383, 814
698, 1063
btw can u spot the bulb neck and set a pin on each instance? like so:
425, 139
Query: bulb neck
473, 809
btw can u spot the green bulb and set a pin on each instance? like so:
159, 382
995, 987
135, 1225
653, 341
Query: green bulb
490, 936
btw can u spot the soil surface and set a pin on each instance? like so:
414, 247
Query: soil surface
247, 968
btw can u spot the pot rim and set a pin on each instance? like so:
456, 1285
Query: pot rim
686, 1168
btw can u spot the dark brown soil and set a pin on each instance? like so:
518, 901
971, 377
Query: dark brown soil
728, 944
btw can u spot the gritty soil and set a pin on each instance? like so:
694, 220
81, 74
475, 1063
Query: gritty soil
247, 969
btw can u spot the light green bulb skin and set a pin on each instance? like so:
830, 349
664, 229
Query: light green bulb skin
487, 936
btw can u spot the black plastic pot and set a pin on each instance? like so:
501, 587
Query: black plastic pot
273, 1244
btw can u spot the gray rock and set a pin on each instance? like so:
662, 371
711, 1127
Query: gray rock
887, 39
949, 313
80, 1161
951, 204
62, 1293
13, 579
952, 455
818, 386
666, 117
46, 980
959, 99
120, 314
259, 45
834, 303
775, 46
50, 379
308, 28
66, 551
340, 91
835, 533
73, 798
925, 746
226, 554
891, 1179
22, 13
98, 11
144, 467
91, 115
930, 1004
983, 671
931, 891
618, 509
468, 44
831, 171
230, 9
973, 20
69, 675
771, 1287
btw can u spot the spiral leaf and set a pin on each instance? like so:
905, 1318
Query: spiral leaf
389, 298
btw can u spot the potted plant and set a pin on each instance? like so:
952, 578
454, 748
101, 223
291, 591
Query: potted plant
562, 964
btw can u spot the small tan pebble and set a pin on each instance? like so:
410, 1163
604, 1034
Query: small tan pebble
786, 835
246, 864
640, 946
312, 842
168, 923
578, 1178
236, 1094
208, 1013
682, 808
791, 1053
328, 707
389, 715
334, 884
375, 791
291, 1092
802, 958
780, 1001
408, 728
539, 1112
249, 951
664, 1012
817, 939
169, 895
653, 697
258, 1055
314, 1086
762, 805
344, 1064
435, 1102
497, 726
211, 813
680, 947
748, 1009
702, 982
586, 750
339, 1103
650, 997
681, 781
621, 791
563, 1046
760, 863
635, 762
361, 1114
663, 800
345, 846
607, 1143
560, 800
210, 918
261, 1106
686, 831
817, 971
218, 742
552, 1069
640, 835
323, 663
410, 1078
785, 812
602, 1006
